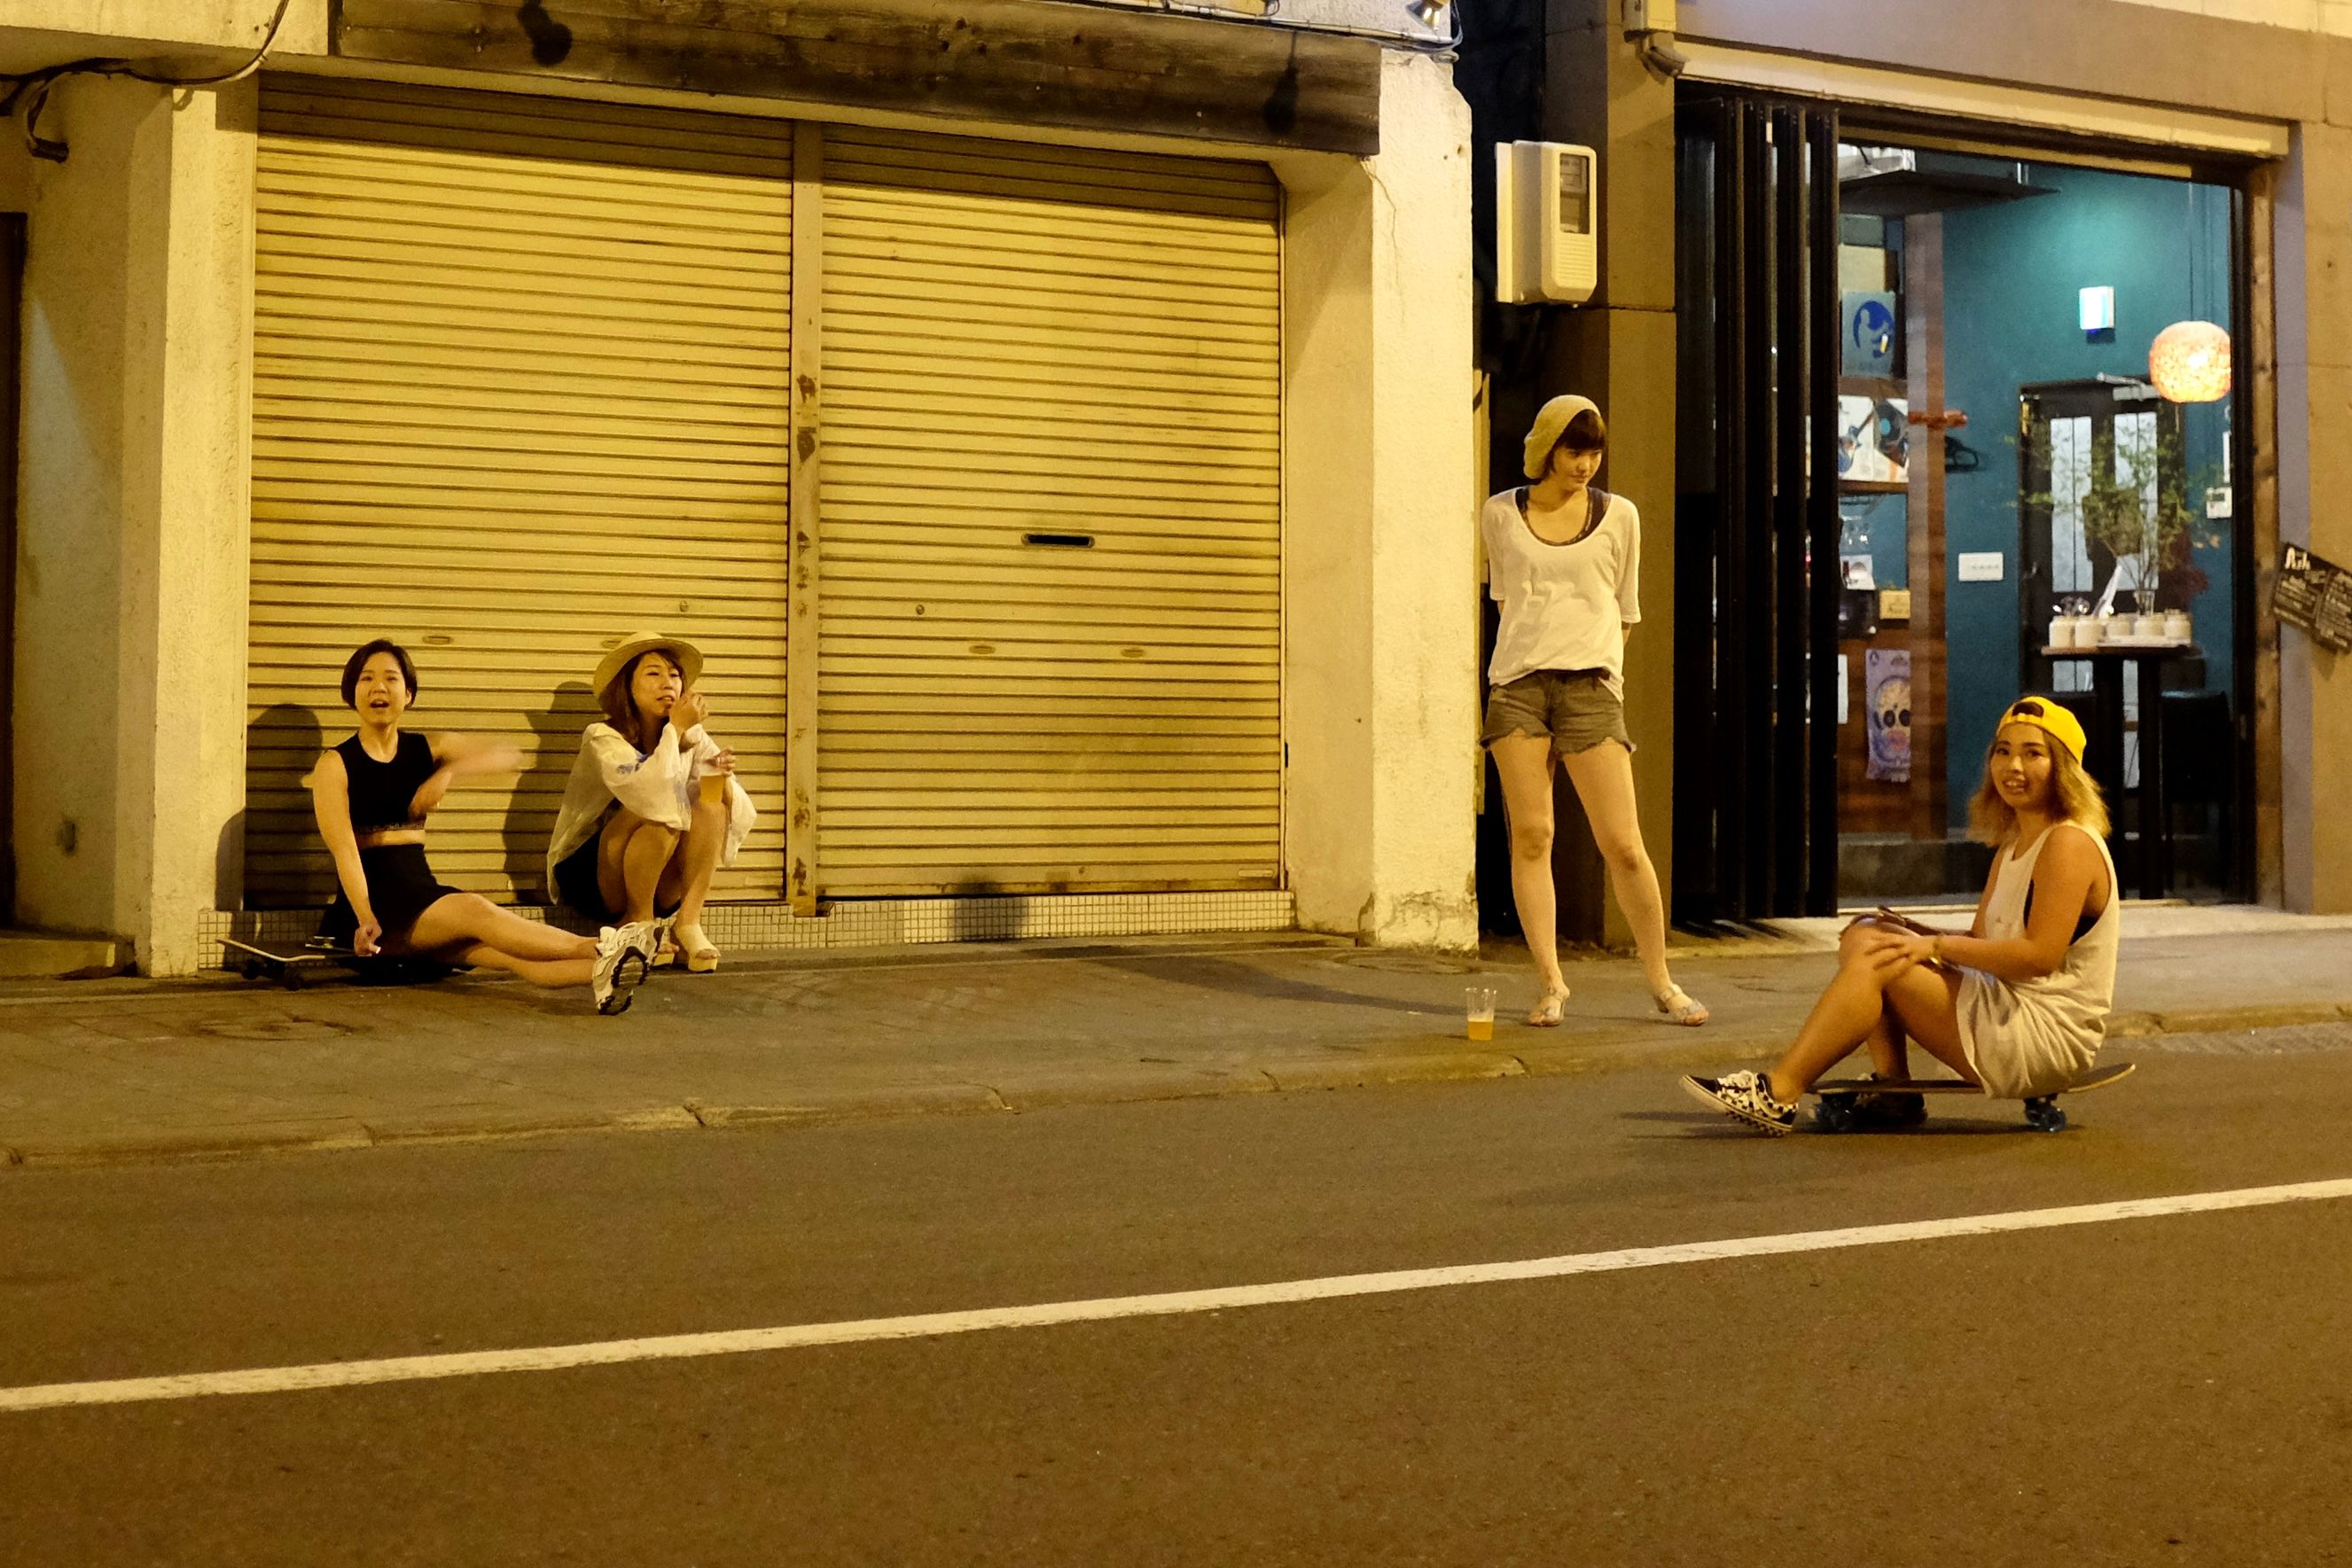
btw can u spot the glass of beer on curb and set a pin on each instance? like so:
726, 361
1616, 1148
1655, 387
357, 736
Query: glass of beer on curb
710, 788
1478, 1005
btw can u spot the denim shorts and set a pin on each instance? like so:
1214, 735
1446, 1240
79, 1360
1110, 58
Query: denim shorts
1574, 707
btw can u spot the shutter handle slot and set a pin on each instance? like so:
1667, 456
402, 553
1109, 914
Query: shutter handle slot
1060, 542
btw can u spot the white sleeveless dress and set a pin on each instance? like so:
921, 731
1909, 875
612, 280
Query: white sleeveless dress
2025, 1037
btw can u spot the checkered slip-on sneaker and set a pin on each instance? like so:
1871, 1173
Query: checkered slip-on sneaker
1746, 1095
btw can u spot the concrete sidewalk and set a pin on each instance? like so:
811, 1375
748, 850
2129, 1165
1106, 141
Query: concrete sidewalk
99, 1070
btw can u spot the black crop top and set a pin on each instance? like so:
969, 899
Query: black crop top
381, 792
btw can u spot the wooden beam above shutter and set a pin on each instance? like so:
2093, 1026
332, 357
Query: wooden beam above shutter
1032, 62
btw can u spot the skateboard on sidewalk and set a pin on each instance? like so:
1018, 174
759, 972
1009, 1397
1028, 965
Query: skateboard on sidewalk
291, 963
1836, 1112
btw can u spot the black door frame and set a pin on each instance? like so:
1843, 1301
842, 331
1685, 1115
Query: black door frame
2034, 564
1757, 523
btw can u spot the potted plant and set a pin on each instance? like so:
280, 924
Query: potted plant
2137, 504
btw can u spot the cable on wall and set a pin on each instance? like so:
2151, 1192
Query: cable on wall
30, 89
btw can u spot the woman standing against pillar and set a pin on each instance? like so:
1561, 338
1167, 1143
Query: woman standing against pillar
1563, 562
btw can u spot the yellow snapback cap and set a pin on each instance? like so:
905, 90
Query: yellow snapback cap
2049, 717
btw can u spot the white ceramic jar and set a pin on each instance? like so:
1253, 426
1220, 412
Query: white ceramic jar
2178, 626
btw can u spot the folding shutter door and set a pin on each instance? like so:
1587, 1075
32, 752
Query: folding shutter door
1052, 601
519, 390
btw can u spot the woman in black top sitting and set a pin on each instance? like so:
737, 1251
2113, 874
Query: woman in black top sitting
372, 793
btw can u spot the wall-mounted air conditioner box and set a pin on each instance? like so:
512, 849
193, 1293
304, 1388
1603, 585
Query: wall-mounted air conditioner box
1546, 223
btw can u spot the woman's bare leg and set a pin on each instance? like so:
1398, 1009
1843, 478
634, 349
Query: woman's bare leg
459, 921
1890, 1054
1603, 776
553, 973
1524, 764
1855, 1006
631, 856
1889, 1045
686, 880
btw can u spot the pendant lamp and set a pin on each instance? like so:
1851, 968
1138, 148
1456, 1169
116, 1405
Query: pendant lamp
2189, 362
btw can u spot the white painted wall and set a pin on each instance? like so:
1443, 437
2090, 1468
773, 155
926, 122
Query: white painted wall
1380, 683
128, 706
2308, 16
2314, 270
204, 33
224, 22
1382, 18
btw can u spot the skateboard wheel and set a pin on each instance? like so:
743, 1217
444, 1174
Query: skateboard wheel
1834, 1115
2045, 1116
293, 979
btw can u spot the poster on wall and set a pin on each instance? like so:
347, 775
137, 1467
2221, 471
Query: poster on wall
1874, 439
2314, 594
1870, 326
1886, 678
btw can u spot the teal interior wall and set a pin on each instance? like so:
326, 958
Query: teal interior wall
1880, 527
2011, 273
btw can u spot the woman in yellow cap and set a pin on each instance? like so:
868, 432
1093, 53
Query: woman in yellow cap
1563, 560
652, 809
2019, 1003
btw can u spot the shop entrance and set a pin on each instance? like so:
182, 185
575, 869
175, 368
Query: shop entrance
1967, 359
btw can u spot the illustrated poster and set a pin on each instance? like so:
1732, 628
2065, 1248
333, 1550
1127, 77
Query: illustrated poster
1886, 678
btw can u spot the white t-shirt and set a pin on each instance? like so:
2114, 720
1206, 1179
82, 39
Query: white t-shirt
1565, 607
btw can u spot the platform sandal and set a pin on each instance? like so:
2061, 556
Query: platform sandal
694, 948
1678, 1007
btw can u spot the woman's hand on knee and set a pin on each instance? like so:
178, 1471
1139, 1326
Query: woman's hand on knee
1861, 930
1887, 952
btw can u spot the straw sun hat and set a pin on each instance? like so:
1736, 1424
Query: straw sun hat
687, 657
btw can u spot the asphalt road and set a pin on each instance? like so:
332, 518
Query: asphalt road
2167, 1390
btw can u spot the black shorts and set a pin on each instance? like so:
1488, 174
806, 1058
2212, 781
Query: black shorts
575, 882
576, 879
401, 885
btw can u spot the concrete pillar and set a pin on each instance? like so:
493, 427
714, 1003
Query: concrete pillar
1619, 351
1379, 683
2315, 473
129, 704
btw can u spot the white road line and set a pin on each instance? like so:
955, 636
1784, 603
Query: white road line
927, 1325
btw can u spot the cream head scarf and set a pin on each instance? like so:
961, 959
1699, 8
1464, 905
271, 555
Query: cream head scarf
1544, 434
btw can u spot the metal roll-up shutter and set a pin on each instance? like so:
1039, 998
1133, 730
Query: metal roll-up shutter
1051, 646
520, 389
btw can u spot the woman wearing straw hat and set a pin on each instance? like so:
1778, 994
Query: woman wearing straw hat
652, 807
2019, 1003
1562, 561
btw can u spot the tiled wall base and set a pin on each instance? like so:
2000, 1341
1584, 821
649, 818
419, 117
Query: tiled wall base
884, 922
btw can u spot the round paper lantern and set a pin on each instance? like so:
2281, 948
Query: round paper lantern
2189, 362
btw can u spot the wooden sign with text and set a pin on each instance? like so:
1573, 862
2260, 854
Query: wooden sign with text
2316, 595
